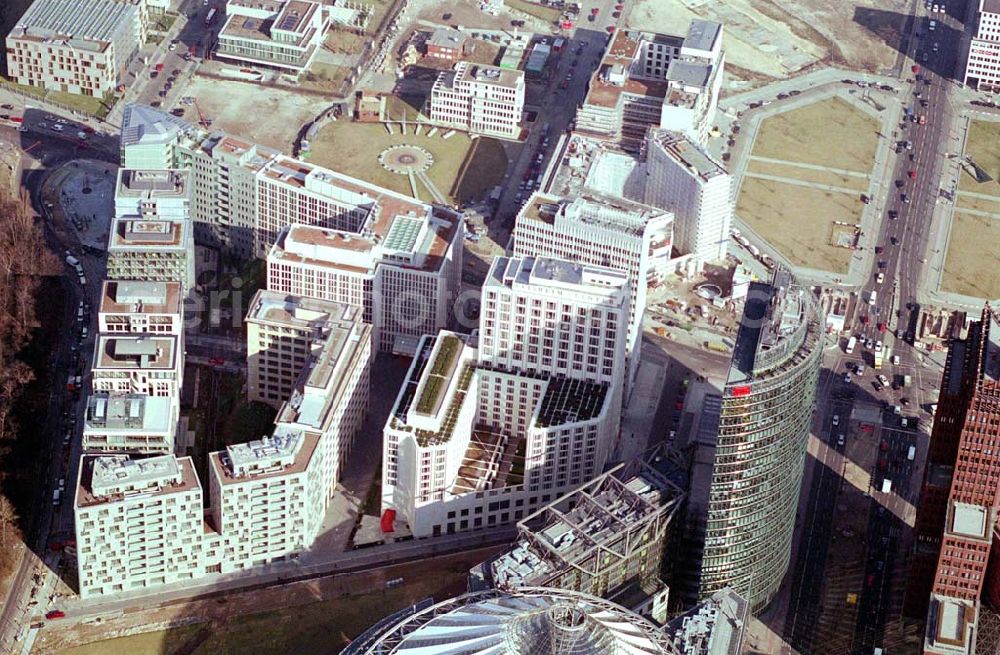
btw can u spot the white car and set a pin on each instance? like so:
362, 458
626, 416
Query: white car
81, 135
840, 440
836, 420
58, 127
172, 47
847, 378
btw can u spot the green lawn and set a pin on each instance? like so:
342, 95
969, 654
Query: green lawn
548, 14
86, 104
325, 77
982, 145
162, 22
353, 149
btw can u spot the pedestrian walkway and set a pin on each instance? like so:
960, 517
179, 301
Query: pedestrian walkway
803, 183
813, 167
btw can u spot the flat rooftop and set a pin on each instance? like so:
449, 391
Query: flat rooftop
138, 297
602, 212
143, 183
692, 156
702, 34
570, 401
489, 74
75, 20
299, 311
281, 454
115, 478
135, 352
444, 37
550, 272
148, 234
689, 73
118, 412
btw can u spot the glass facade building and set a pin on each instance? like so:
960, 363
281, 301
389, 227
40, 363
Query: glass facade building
761, 443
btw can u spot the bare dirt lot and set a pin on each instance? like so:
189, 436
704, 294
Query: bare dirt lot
973, 240
776, 39
317, 616
267, 115
798, 221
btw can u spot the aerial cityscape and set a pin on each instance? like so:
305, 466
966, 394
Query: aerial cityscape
500, 327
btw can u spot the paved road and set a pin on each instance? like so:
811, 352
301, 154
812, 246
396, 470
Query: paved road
901, 241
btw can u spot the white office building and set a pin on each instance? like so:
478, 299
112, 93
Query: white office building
982, 68
138, 523
130, 423
76, 46
150, 365
405, 276
153, 194
601, 231
135, 307
479, 99
474, 440
153, 249
681, 177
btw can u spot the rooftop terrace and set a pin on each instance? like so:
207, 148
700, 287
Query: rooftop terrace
116, 412
148, 234
115, 478
140, 183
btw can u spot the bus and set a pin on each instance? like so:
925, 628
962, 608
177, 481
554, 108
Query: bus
853, 341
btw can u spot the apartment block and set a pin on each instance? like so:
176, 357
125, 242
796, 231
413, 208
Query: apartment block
267, 496
134, 307
479, 99
76, 46
982, 67
137, 523
152, 250
150, 365
957, 549
655, 80
471, 443
153, 194
606, 538
279, 34
601, 231
404, 273
744, 519
130, 423
681, 177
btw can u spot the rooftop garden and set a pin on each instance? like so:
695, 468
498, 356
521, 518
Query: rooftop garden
442, 368
429, 438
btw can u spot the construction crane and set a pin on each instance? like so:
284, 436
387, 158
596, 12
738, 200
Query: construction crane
204, 122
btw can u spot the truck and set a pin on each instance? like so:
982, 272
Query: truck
851, 343
907, 380
911, 452
886, 486
879, 355
72, 261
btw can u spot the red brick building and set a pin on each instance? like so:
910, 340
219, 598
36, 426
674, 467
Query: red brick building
955, 531
445, 45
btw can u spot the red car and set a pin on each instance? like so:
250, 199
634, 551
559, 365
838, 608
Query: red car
913, 175
158, 68
864, 319
216, 361
611, 29
881, 327
679, 405
915, 68
55, 614
595, 11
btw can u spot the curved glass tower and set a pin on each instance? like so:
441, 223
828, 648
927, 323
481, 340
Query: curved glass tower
760, 449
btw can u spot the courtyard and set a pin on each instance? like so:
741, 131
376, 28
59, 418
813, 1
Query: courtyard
461, 168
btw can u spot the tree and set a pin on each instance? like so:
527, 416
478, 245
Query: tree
8, 520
